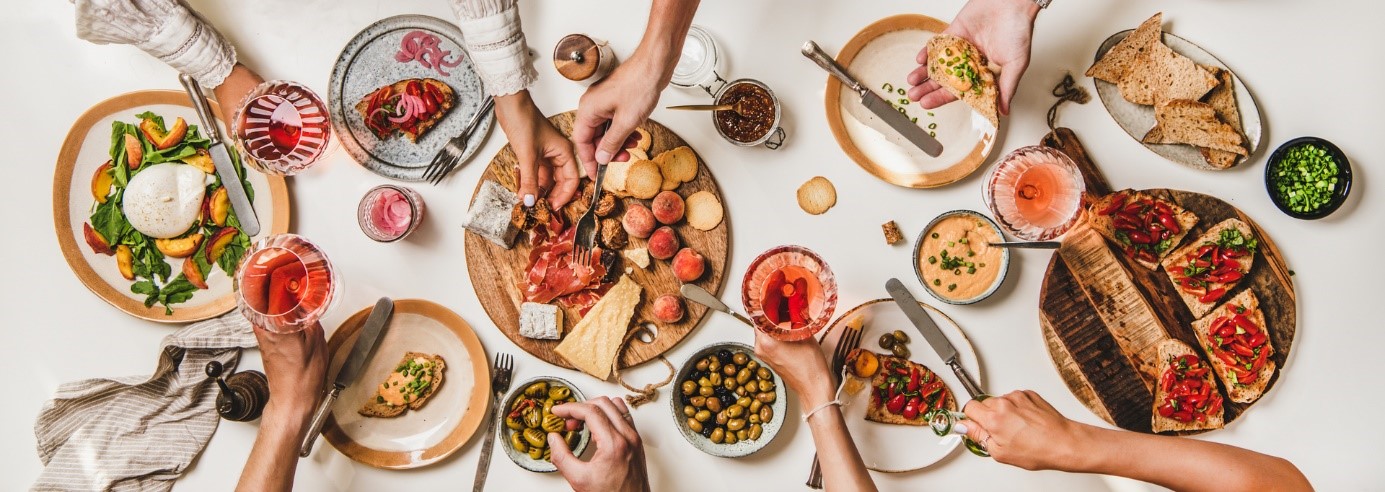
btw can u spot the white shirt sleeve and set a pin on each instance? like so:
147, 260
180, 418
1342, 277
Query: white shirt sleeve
495, 43
166, 29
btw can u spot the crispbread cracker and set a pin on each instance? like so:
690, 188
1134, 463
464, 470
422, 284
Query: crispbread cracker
1194, 123
1113, 66
704, 211
643, 180
817, 196
614, 181
1160, 74
679, 163
1223, 100
645, 141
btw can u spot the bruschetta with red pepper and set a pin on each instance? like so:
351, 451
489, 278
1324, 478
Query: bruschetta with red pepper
1207, 270
904, 392
1186, 397
411, 107
1237, 342
1143, 227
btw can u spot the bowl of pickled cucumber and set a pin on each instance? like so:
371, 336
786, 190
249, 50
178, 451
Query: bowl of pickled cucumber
726, 402
528, 418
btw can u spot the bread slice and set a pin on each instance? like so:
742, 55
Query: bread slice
1223, 100
1194, 123
947, 53
1117, 61
438, 93
1241, 393
375, 407
1160, 74
1183, 255
877, 411
1169, 350
491, 213
1104, 223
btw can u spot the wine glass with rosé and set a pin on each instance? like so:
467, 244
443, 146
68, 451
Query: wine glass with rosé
285, 283
1035, 193
789, 292
283, 127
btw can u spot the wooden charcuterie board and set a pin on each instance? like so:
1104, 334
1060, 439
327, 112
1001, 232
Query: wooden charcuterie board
1103, 314
496, 272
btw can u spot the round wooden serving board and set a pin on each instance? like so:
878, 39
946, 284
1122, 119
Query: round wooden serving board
496, 272
1103, 314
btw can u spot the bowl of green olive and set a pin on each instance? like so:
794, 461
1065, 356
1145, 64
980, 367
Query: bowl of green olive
528, 418
726, 402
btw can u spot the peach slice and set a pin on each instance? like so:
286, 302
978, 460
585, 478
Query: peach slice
134, 152
193, 274
218, 207
125, 260
218, 243
201, 160
98, 243
101, 182
180, 247
164, 139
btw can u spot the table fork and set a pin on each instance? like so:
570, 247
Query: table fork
585, 237
446, 160
500, 384
850, 339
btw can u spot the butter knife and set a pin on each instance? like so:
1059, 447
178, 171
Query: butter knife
701, 296
935, 337
235, 190
360, 353
877, 105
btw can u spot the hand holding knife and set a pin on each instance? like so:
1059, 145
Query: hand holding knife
366, 342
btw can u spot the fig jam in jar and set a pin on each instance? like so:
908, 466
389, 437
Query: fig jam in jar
755, 121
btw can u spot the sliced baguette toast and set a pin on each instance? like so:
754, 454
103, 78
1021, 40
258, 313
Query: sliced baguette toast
1117, 61
947, 55
440, 93
375, 407
1104, 225
1194, 123
1160, 74
1169, 350
1182, 256
1237, 391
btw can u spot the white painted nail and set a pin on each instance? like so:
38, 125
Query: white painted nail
528, 200
960, 428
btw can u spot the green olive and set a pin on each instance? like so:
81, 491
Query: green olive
702, 415
756, 430
735, 411
537, 390
755, 406
887, 342
689, 411
714, 364
730, 438
766, 385
766, 397
766, 414
764, 373
535, 454
554, 423
706, 391
517, 442
572, 438
722, 418
714, 404
703, 381
689, 387
744, 401
715, 379
533, 417
740, 393
742, 434
717, 435
729, 384
743, 376
735, 424
752, 365
698, 401
702, 365
900, 351
754, 418
740, 358
515, 404
549, 404
559, 392
729, 369
514, 423
900, 336
548, 455
536, 438
694, 425
751, 388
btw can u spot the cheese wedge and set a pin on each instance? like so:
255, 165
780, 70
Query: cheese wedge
593, 344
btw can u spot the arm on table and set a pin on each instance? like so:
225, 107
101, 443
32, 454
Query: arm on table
233, 89
296, 366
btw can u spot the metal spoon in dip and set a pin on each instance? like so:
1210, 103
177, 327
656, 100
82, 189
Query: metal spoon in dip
701, 296
1028, 244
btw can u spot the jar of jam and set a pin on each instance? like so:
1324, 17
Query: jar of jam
582, 58
755, 118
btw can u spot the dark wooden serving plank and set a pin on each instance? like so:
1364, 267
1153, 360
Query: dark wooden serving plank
496, 272
1103, 314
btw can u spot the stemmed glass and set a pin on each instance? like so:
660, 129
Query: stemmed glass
285, 283
789, 292
1035, 193
282, 127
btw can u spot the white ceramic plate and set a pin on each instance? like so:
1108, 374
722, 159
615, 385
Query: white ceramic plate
502, 436
901, 448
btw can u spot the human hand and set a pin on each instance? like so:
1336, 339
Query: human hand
800, 364
625, 99
233, 89
1002, 30
544, 154
1023, 430
618, 464
296, 366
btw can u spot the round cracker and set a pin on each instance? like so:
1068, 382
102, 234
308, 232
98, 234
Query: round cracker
614, 180
704, 211
643, 180
817, 195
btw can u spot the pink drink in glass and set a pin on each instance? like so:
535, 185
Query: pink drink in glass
285, 283
1035, 193
789, 292
283, 127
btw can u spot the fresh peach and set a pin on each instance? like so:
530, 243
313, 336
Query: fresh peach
164, 139
668, 207
180, 247
663, 244
193, 274
98, 243
201, 160
638, 220
134, 151
689, 265
125, 260
218, 243
218, 207
101, 182
668, 309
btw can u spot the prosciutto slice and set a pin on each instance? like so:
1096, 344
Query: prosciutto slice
551, 274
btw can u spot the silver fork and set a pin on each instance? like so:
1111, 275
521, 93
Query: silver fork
446, 160
850, 339
500, 384
585, 237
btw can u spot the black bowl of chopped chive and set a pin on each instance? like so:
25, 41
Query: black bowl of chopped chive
1308, 178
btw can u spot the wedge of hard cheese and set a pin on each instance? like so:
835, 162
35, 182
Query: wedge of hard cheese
594, 342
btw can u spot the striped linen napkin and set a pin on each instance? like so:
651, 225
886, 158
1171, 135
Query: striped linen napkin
139, 433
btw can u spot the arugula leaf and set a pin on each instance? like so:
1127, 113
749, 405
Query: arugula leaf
109, 222
145, 287
118, 131
235, 250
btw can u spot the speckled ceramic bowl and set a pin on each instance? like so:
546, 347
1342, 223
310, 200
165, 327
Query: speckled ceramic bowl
704, 444
523, 459
918, 255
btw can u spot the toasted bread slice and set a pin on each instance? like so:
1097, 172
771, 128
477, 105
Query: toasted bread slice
437, 92
378, 406
1104, 224
1169, 350
1182, 255
1117, 61
1223, 100
1238, 391
1160, 74
960, 68
1194, 123
877, 410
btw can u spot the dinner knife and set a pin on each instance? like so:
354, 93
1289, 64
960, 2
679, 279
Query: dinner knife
935, 337
360, 353
235, 190
875, 103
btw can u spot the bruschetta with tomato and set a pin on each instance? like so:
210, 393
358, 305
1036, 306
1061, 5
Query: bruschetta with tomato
904, 392
1207, 270
410, 106
1186, 397
1143, 227
1237, 343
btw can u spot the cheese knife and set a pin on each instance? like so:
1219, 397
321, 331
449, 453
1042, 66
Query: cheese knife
360, 353
935, 337
872, 101
701, 296
235, 190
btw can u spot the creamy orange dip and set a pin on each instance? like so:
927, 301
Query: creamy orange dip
407, 382
956, 258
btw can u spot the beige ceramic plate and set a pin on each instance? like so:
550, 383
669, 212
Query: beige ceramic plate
884, 53
86, 147
417, 437
901, 448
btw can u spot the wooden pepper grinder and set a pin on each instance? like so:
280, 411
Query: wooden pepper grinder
243, 394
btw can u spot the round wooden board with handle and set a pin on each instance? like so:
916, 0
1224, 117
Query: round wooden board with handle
496, 272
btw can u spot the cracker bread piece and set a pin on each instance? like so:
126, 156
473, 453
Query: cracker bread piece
817, 196
892, 233
876, 410
1117, 61
1168, 350
1238, 392
374, 408
1179, 256
703, 210
643, 179
1223, 100
944, 48
1194, 123
1103, 223
1160, 74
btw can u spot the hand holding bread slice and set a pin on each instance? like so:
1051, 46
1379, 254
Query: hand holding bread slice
961, 69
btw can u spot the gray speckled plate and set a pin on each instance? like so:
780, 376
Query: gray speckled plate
523, 459
1137, 119
368, 63
742, 448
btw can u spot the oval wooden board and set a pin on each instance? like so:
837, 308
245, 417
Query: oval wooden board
496, 272
1103, 315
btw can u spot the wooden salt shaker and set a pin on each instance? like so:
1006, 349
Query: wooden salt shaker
582, 58
243, 394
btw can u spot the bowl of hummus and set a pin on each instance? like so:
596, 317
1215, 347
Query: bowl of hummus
954, 259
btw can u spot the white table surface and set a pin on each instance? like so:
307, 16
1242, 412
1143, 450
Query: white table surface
1315, 69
